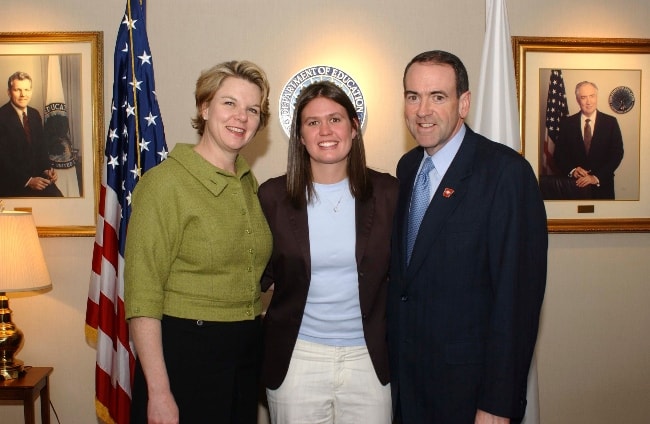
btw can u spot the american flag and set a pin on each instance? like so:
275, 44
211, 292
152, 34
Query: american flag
556, 109
134, 144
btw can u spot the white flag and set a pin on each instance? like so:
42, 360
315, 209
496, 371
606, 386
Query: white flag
496, 114
497, 118
57, 132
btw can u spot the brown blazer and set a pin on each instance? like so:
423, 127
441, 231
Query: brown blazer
290, 270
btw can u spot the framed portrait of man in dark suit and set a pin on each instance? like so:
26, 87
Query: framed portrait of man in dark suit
581, 102
51, 128
569, 97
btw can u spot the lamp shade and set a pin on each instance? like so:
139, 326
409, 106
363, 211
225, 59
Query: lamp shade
22, 265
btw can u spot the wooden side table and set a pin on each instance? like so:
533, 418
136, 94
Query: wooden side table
27, 388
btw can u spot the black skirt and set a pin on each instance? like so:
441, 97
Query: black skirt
213, 370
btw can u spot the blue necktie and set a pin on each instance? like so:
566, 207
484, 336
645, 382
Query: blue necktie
419, 204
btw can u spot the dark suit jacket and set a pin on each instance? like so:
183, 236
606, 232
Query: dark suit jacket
605, 153
290, 270
19, 160
463, 315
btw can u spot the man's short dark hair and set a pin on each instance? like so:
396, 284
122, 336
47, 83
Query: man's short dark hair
439, 57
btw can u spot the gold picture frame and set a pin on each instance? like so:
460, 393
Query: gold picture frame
585, 59
82, 52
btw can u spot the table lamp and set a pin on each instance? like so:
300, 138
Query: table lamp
22, 268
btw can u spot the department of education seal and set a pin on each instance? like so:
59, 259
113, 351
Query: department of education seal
621, 99
310, 75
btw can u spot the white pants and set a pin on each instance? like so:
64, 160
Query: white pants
330, 385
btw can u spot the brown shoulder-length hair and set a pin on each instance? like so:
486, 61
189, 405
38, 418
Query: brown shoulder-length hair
300, 181
210, 81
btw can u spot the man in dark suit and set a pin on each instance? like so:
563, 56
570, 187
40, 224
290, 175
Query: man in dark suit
464, 301
589, 147
25, 169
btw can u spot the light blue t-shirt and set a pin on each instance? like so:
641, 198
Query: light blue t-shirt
332, 314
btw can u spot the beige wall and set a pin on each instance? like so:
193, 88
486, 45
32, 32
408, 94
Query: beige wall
593, 349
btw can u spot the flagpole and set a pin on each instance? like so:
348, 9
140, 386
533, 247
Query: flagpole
133, 82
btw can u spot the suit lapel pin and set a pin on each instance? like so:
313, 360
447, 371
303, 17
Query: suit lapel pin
447, 192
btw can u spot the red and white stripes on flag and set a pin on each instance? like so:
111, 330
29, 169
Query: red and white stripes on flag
135, 143
106, 327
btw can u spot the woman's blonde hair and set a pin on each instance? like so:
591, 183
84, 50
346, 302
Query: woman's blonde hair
210, 81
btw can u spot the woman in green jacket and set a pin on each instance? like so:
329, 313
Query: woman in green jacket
197, 245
